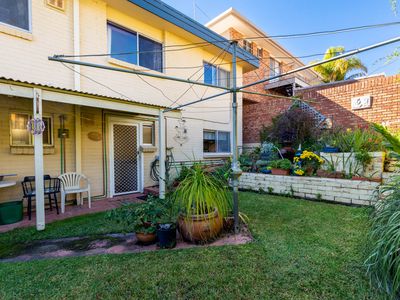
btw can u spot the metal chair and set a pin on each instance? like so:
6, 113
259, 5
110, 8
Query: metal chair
51, 188
74, 183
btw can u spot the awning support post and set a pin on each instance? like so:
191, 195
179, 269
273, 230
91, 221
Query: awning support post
38, 150
161, 154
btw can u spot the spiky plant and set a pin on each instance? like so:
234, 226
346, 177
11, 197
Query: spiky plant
392, 142
201, 193
339, 69
383, 263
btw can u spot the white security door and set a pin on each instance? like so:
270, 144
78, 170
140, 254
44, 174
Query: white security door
124, 159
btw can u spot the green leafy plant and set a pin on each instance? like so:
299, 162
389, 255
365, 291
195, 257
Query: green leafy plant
364, 158
391, 141
283, 164
383, 262
201, 193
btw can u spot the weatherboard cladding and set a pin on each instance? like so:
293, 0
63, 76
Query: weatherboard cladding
179, 19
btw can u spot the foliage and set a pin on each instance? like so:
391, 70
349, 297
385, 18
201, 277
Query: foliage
383, 262
182, 174
339, 69
268, 151
391, 141
364, 158
139, 218
302, 250
293, 126
201, 193
307, 160
356, 140
283, 164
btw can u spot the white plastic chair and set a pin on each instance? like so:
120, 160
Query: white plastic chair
74, 183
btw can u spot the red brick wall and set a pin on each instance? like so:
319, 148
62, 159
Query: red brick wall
334, 101
258, 110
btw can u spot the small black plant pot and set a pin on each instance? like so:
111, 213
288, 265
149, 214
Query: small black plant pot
166, 234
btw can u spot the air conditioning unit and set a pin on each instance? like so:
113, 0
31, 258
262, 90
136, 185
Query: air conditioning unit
59, 4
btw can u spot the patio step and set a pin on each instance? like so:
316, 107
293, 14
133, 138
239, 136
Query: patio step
151, 190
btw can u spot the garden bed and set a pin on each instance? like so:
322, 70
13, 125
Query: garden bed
357, 192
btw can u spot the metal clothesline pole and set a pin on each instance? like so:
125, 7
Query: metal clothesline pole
131, 71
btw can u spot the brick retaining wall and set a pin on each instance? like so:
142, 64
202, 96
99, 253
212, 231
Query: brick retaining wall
335, 190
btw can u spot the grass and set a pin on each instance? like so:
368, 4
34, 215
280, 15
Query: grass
302, 250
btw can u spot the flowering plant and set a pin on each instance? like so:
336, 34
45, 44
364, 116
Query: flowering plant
308, 161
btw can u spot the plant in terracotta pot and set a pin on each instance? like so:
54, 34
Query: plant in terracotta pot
141, 218
203, 202
280, 166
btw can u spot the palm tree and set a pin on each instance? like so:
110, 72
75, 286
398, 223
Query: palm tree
339, 69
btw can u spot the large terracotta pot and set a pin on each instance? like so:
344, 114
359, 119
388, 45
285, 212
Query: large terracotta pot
200, 227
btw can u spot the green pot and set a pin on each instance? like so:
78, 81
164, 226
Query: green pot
10, 212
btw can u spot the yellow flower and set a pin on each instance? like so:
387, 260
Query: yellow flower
299, 172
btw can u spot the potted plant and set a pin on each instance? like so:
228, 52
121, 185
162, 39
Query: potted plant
309, 162
203, 202
166, 224
280, 166
141, 218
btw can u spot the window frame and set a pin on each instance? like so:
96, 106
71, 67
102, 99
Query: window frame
29, 20
260, 52
217, 78
152, 134
248, 46
31, 137
279, 64
217, 142
138, 35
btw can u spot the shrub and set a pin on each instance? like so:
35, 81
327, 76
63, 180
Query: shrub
283, 164
294, 126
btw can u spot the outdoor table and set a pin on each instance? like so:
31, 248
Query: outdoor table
6, 175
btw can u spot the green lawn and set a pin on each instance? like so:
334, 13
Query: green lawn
302, 250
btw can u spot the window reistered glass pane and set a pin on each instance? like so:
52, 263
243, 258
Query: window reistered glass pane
148, 134
224, 143
19, 134
15, 13
123, 41
150, 55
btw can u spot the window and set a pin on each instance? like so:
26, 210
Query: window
131, 47
260, 52
59, 4
148, 134
216, 141
216, 76
15, 13
274, 69
247, 45
19, 135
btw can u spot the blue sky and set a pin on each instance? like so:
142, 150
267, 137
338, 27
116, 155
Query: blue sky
298, 16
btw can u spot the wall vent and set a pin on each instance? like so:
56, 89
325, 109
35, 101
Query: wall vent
59, 4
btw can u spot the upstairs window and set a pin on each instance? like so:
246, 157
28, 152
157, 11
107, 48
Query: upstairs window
259, 52
274, 69
131, 47
248, 46
216, 76
15, 13
216, 141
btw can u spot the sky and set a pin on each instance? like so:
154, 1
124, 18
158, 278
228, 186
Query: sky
302, 16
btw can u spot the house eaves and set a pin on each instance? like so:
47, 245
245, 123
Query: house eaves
175, 17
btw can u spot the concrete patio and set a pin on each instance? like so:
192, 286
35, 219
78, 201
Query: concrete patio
75, 210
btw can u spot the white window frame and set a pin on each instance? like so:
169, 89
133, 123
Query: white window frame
248, 46
138, 35
152, 134
29, 21
216, 143
31, 138
270, 69
217, 79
